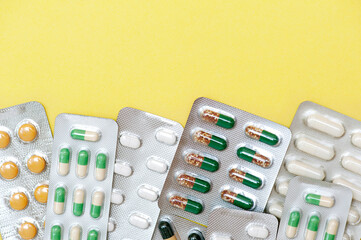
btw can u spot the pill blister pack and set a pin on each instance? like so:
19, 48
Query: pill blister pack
314, 210
226, 157
146, 147
231, 224
326, 145
25, 151
81, 177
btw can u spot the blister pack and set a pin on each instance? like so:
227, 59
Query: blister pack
81, 177
231, 224
314, 210
226, 157
147, 144
326, 145
25, 152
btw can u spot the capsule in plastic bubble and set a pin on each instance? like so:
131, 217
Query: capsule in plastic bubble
292, 226
93, 235
210, 140
245, 178
78, 202
217, 118
198, 160
166, 230
194, 183
64, 158
319, 200
331, 229
237, 199
59, 199
195, 235
75, 233
252, 156
312, 228
101, 167
82, 166
262, 135
55, 233
97, 204
85, 135
186, 204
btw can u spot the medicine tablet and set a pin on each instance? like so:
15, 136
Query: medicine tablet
304, 169
27, 132
97, 204
111, 226
257, 231
356, 190
130, 140
86, 135
123, 169
75, 233
323, 124
18, 201
156, 165
117, 198
220, 237
9, 170
282, 187
346, 237
41, 193
315, 148
138, 221
276, 209
27, 230
36, 164
4, 139
356, 139
147, 193
353, 216
166, 136
352, 164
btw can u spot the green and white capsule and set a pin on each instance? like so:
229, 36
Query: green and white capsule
213, 116
208, 139
194, 183
55, 233
64, 158
101, 167
78, 202
331, 229
97, 204
199, 160
82, 166
85, 135
59, 200
319, 200
262, 135
93, 235
312, 227
292, 226
75, 233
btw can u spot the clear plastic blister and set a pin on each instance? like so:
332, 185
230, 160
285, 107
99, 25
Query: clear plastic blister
231, 158
25, 152
146, 147
81, 177
232, 224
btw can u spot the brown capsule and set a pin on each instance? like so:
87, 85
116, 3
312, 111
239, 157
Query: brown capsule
186, 180
202, 137
210, 116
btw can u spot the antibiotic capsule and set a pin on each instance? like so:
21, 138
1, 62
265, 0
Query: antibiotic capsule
85, 135
252, 156
59, 199
97, 204
93, 235
194, 183
245, 178
195, 235
64, 157
101, 167
237, 199
166, 230
55, 232
82, 166
217, 118
186, 204
292, 226
319, 200
262, 135
331, 229
312, 227
78, 202
75, 233
210, 140
198, 160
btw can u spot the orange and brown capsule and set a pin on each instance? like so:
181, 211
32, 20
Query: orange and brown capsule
245, 178
186, 204
261, 135
194, 183
217, 118
199, 160
237, 199
209, 139
252, 156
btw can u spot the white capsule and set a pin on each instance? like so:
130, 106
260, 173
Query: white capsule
356, 139
79, 196
166, 136
315, 148
356, 190
282, 187
332, 226
303, 169
352, 164
257, 231
138, 221
111, 226
63, 169
147, 193
75, 233
130, 140
353, 216
98, 198
276, 209
123, 169
156, 164
323, 124
220, 237
58, 207
117, 198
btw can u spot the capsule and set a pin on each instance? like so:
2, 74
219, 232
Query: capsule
198, 160
101, 167
325, 125
353, 216
331, 229
245, 178
314, 148
352, 164
97, 204
356, 190
312, 228
75, 233
262, 135
55, 233
210, 140
78, 202
276, 209
300, 168
186, 204
217, 118
282, 187
82, 167
166, 231
196, 235
86, 135
237, 199
93, 235
59, 200
292, 226
64, 157
252, 156
319, 200
356, 139
194, 183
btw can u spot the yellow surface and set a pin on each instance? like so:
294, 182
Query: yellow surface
266, 57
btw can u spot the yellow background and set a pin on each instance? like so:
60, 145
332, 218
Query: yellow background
96, 57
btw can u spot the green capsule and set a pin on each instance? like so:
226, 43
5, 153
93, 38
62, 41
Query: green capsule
64, 157
186, 204
331, 229
59, 199
101, 161
312, 227
97, 204
55, 232
86, 135
193, 183
217, 118
293, 222
262, 135
210, 140
93, 235
245, 178
237, 199
78, 202
202, 162
82, 167
252, 156
319, 200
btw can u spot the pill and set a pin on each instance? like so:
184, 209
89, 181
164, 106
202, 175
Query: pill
282, 187
356, 139
75, 233
64, 157
331, 229
353, 216
36, 164
261, 135
198, 160
27, 230
59, 199
86, 135
97, 204
55, 233
186, 204
237, 199
252, 156
325, 125
210, 140
221, 237
93, 235
352, 164
41, 193
123, 169
166, 231
315, 148
101, 167
319, 200
27, 132
147, 193
111, 226
312, 227
256, 231
78, 202
196, 235
275, 209
156, 165
4, 139
82, 166
346, 237
194, 183
9, 170
356, 190
292, 226
217, 118
166, 136
18, 201
138, 221
117, 198
130, 140
304, 169
245, 178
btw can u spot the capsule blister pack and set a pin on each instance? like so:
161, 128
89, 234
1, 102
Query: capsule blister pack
226, 157
25, 151
314, 210
81, 177
326, 145
146, 147
231, 224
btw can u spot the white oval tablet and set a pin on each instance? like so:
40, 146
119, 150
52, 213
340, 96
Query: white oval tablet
130, 140
257, 231
276, 209
303, 169
282, 187
157, 165
138, 221
117, 198
325, 125
353, 216
356, 190
123, 169
352, 164
147, 193
356, 139
220, 237
315, 148
166, 136
111, 226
